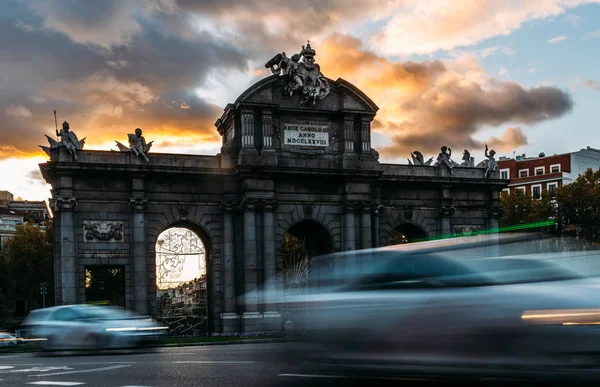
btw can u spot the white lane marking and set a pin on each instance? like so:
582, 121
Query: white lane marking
41, 369
85, 371
49, 383
135, 386
213, 362
6, 367
349, 377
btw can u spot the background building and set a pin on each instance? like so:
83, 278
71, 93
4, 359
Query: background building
535, 175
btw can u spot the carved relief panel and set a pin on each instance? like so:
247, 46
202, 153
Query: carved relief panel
102, 231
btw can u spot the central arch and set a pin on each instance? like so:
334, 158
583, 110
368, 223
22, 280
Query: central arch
304, 240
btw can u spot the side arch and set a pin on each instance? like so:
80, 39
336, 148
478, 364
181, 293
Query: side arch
207, 236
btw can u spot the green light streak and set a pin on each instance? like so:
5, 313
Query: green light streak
517, 227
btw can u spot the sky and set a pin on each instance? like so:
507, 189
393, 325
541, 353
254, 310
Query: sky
521, 76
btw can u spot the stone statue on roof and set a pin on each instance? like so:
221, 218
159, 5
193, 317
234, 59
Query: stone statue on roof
418, 159
68, 141
305, 77
137, 145
444, 158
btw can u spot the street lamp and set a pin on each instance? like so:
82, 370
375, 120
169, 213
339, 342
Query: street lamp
43, 292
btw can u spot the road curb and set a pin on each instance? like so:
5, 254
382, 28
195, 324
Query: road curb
201, 344
229, 342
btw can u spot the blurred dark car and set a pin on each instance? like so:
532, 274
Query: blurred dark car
451, 307
90, 327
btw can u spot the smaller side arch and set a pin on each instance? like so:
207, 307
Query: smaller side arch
404, 232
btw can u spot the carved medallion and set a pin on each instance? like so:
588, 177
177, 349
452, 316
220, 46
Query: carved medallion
103, 231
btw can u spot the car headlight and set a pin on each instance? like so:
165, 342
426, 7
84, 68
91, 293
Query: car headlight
562, 317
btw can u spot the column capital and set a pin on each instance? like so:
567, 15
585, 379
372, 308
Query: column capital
65, 203
269, 205
368, 207
350, 206
495, 212
378, 209
447, 211
249, 204
138, 204
229, 207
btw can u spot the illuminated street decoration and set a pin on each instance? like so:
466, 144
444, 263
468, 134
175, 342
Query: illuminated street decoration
180, 257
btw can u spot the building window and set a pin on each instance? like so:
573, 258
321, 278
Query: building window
555, 168
536, 191
523, 172
522, 189
505, 174
551, 187
506, 191
540, 171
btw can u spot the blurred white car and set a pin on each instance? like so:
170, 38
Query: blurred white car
90, 327
6, 339
443, 308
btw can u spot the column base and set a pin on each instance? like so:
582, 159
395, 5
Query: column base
252, 322
230, 322
272, 321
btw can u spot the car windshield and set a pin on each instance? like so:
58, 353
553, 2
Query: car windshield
515, 270
428, 270
105, 312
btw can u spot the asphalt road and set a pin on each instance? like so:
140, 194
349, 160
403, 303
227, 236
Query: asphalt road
223, 366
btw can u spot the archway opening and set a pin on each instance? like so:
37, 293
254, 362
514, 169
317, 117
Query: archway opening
406, 233
301, 242
181, 281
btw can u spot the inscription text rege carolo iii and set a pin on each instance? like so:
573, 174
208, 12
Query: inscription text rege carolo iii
311, 135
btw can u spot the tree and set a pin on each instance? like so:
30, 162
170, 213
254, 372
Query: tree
29, 261
521, 208
579, 205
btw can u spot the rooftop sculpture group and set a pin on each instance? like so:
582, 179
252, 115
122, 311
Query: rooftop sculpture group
68, 141
444, 159
304, 75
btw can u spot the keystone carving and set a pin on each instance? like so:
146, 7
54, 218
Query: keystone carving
98, 231
183, 212
447, 211
138, 204
408, 214
308, 211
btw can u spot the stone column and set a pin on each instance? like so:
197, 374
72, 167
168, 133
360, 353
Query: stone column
445, 213
349, 263
66, 262
247, 120
376, 213
271, 295
348, 134
494, 215
139, 256
446, 210
267, 130
366, 226
251, 314
229, 264
365, 134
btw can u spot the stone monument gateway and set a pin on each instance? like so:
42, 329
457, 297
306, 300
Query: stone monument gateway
296, 157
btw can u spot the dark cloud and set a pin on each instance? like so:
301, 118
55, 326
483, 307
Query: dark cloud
139, 75
424, 105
